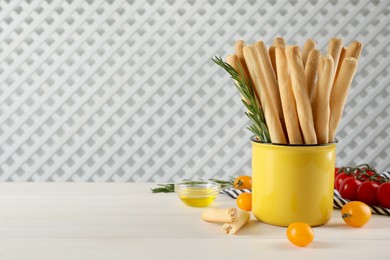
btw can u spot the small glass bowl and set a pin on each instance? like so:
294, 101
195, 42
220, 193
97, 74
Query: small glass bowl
197, 193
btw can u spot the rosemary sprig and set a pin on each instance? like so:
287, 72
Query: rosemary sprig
255, 112
224, 184
170, 187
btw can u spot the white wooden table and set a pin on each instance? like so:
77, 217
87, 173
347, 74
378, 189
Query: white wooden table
126, 221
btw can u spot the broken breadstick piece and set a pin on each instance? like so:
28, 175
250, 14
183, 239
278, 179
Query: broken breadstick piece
339, 93
221, 215
232, 228
309, 45
287, 98
305, 113
321, 110
311, 69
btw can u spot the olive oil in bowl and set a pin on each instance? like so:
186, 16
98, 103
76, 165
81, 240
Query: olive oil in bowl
197, 193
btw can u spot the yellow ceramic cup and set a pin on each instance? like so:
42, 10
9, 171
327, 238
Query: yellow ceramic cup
292, 183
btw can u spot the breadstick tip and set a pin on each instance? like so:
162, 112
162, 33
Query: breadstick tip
262, 49
357, 44
240, 43
310, 41
279, 41
259, 43
316, 53
335, 39
354, 49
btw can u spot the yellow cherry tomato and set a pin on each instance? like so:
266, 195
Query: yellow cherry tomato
244, 201
300, 234
243, 182
356, 213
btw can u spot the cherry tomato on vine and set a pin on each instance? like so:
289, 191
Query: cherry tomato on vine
383, 194
356, 213
336, 172
348, 188
340, 177
364, 174
243, 182
300, 234
367, 192
377, 179
244, 201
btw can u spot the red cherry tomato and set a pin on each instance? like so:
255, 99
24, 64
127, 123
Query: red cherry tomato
348, 188
336, 171
367, 193
340, 177
383, 194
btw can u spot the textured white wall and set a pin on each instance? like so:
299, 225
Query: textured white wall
126, 91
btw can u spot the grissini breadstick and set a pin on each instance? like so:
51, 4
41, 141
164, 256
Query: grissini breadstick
287, 98
305, 113
267, 103
270, 80
342, 56
239, 52
277, 42
354, 50
273, 59
339, 93
232, 228
311, 70
234, 61
334, 49
321, 110
309, 45
220, 215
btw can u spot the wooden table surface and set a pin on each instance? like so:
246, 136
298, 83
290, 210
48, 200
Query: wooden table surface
127, 221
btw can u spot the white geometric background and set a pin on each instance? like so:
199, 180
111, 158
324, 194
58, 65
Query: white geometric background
126, 91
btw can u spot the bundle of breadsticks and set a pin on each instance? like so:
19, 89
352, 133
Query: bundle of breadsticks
302, 93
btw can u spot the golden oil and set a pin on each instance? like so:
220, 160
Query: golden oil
197, 197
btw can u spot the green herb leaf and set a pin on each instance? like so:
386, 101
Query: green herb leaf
255, 112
